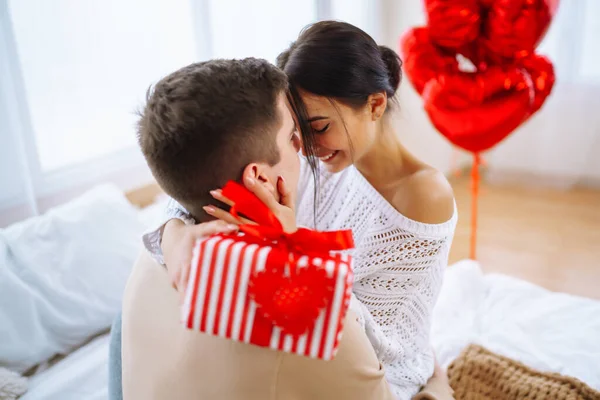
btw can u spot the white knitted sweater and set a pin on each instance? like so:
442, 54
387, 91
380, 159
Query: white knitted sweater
398, 264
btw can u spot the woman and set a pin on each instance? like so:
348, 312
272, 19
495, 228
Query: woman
401, 210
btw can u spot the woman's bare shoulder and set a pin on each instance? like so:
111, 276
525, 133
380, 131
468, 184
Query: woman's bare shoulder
425, 196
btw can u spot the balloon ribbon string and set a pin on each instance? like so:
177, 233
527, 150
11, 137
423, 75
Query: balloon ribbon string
454, 165
474, 202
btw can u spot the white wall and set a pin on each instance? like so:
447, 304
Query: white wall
417, 133
557, 147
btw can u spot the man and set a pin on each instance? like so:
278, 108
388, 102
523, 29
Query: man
204, 125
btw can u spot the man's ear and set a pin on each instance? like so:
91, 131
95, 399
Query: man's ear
259, 172
377, 103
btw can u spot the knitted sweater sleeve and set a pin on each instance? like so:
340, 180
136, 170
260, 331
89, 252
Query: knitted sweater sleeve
153, 238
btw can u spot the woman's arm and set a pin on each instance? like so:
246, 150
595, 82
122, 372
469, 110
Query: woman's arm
175, 240
437, 387
171, 243
177, 246
153, 239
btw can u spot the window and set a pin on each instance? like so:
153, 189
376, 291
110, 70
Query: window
361, 13
73, 73
571, 42
86, 66
263, 28
590, 49
259, 28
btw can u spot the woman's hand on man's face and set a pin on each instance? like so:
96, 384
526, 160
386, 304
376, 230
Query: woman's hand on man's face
283, 210
179, 239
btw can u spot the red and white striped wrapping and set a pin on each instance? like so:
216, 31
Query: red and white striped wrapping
217, 301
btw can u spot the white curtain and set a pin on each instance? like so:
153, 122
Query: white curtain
73, 73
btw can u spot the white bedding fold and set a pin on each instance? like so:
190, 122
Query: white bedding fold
547, 331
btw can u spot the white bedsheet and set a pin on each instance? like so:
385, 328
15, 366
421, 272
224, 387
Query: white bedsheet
547, 331
83, 375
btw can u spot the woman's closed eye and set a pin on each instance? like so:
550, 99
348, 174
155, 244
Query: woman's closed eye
323, 129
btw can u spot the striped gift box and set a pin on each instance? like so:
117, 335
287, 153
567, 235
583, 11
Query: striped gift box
217, 301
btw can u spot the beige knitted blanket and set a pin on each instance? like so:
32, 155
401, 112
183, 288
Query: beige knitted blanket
479, 374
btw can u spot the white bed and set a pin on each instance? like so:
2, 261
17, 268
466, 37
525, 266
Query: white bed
547, 331
81, 375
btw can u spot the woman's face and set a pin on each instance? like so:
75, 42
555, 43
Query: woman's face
342, 134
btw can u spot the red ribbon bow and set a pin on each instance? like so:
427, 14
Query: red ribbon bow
269, 228
290, 301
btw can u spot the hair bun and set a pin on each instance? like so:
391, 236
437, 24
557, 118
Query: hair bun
282, 59
394, 66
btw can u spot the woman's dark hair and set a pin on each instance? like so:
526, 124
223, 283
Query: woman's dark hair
339, 61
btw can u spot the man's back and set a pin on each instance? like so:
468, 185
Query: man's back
163, 360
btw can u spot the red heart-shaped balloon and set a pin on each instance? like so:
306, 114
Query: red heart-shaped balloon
541, 71
424, 61
453, 23
507, 29
514, 28
294, 302
477, 111
475, 107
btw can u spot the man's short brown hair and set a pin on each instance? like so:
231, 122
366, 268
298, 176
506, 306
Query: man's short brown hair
205, 122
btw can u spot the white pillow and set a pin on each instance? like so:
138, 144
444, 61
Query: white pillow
62, 275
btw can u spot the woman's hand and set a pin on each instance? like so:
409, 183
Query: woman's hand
178, 241
437, 387
283, 210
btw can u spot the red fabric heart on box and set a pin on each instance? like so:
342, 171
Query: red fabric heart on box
292, 303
